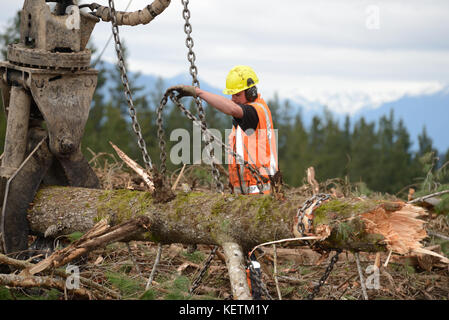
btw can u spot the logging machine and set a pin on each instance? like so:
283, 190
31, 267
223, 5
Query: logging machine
47, 86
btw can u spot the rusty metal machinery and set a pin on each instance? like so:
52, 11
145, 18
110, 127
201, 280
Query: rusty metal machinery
47, 87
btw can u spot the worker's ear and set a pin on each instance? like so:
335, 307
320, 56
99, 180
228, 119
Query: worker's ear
251, 93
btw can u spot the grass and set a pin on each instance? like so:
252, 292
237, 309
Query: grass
126, 268
127, 286
29, 294
195, 257
445, 248
150, 294
74, 236
5, 294
286, 291
179, 290
443, 206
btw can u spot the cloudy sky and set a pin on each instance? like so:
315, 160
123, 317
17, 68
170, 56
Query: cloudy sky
347, 54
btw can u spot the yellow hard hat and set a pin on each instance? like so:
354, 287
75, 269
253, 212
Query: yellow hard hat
237, 79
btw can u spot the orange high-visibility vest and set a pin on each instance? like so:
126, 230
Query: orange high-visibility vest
258, 148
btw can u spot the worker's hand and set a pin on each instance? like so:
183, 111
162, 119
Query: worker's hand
183, 91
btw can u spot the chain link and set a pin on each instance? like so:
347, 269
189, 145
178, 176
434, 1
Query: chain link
191, 55
161, 134
196, 83
197, 281
314, 201
258, 281
124, 77
326, 274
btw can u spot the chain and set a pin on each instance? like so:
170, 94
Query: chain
258, 281
197, 281
125, 81
161, 133
196, 83
316, 201
326, 274
191, 55
254, 172
189, 115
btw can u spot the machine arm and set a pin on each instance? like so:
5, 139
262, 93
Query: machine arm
143, 16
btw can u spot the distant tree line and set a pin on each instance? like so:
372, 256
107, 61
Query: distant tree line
377, 155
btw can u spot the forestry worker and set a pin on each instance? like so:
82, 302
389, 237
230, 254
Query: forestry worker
252, 138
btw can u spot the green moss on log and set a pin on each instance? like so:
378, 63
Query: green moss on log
338, 210
347, 225
122, 205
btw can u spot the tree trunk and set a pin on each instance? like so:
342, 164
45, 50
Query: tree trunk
202, 218
237, 223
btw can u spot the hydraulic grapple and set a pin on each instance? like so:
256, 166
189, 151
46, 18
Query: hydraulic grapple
47, 86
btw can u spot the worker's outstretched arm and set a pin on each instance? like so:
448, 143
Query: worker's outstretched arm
218, 102
221, 103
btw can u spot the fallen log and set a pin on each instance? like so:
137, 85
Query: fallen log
353, 224
191, 218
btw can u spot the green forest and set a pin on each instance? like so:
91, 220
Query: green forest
375, 156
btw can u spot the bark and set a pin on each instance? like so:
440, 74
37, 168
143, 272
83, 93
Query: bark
237, 274
201, 218
12, 280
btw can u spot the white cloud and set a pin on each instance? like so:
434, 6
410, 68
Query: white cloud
318, 49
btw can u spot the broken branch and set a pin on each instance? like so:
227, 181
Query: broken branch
103, 292
100, 235
234, 261
135, 166
12, 280
436, 194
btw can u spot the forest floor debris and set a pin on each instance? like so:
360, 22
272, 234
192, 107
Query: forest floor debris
298, 268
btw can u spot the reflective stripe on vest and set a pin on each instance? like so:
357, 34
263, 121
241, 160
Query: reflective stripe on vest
273, 165
239, 160
239, 145
253, 189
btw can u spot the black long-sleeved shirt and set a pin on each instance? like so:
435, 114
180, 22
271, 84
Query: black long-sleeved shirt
250, 119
